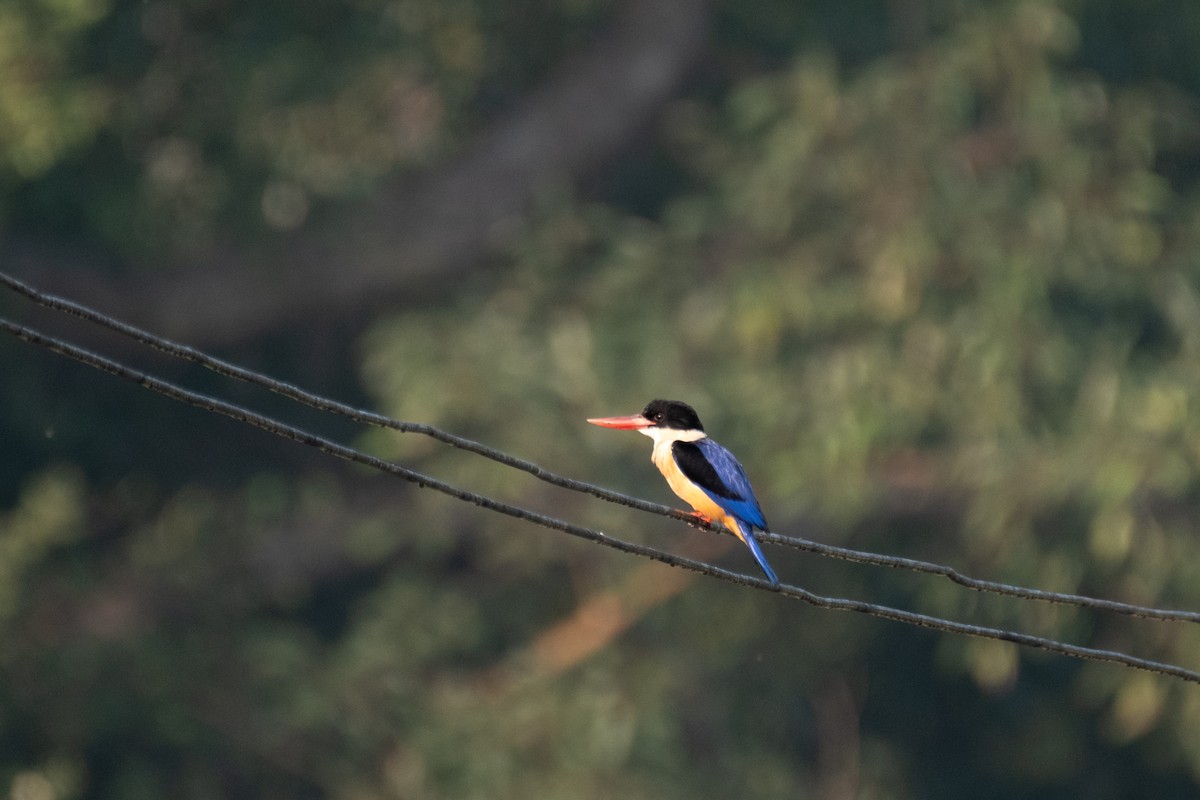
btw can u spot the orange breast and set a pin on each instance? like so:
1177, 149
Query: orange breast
689, 492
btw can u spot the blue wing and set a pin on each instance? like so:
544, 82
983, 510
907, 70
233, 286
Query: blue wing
715, 471
731, 490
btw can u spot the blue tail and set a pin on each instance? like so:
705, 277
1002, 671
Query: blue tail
752, 543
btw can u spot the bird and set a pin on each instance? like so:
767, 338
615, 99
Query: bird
701, 472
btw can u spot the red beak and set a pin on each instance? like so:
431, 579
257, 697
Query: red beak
633, 423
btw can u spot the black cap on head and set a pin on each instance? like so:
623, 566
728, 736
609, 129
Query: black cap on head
672, 414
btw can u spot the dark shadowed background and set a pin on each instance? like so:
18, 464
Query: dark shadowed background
931, 268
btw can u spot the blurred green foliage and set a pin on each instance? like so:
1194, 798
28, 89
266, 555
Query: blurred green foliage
930, 268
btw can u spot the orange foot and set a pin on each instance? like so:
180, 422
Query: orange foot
702, 517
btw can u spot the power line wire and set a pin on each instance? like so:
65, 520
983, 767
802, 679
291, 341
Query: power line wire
422, 480
297, 394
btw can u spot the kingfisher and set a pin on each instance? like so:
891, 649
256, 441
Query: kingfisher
700, 471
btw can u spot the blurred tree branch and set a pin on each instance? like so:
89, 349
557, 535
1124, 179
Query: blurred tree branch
416, 232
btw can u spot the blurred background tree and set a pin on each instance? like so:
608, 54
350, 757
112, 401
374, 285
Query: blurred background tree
931, 268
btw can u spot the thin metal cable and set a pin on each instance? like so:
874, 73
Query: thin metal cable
297, 394
425, 481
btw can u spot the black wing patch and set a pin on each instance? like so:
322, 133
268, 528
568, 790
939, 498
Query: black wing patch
699, 470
